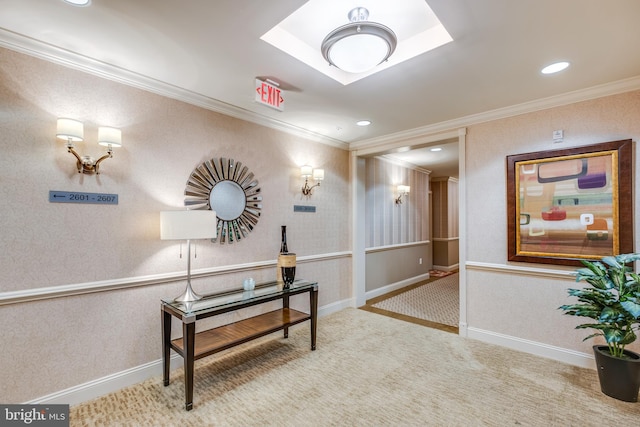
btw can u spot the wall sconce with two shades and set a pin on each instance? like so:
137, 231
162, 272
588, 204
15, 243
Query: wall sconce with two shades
315, 174
72, 131
403, 191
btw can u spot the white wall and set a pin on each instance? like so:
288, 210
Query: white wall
53, 344
516, 303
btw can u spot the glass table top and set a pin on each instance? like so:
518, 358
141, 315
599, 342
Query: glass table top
211, 302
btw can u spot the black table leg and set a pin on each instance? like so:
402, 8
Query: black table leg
166, 346
313, 301
285, 304
188, 341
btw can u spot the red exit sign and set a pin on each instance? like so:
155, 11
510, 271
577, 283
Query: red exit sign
269, 95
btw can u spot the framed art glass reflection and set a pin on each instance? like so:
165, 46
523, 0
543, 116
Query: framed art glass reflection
571, 204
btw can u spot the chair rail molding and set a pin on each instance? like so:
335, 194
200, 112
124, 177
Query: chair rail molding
26, 295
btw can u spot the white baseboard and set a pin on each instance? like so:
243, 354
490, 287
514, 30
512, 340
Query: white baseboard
452, 267
119, 380
336, 306
560, 354
394, 286
105, 385
463, 329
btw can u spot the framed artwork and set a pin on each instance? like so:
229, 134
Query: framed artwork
570, 204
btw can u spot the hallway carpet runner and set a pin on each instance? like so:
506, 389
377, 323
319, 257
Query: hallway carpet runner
436, 301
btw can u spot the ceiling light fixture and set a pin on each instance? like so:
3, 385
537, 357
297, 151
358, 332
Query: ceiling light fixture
554, 68
360, 45
435, 149
78, 2
363, 122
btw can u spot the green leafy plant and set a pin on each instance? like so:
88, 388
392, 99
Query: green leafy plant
612, 300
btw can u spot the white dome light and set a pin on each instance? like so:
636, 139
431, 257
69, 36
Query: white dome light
360, 45
554, 68
78, 2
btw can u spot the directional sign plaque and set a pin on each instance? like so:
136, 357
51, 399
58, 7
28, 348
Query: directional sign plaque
304, 208
76, 197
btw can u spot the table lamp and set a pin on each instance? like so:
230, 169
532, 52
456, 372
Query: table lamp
188, 225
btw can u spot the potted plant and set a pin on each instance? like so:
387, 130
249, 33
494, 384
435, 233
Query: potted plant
612, 300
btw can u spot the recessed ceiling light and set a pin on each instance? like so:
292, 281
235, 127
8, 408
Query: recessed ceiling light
436, 149
554, 68
78, 2
363, 122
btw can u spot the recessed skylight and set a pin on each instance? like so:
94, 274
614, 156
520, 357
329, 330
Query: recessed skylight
300, 35
363, 122
555, 67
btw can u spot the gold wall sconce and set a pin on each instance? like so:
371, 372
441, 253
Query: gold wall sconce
308, 172
72, 131
403, 190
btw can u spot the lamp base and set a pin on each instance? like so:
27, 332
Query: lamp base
188, 295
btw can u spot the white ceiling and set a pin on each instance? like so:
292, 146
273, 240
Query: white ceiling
416, 27
210, 51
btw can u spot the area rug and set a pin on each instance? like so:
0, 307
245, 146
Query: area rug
436, 301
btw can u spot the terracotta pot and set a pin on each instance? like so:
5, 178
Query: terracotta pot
619, 378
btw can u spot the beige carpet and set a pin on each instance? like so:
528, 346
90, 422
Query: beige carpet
436, 301
368, 370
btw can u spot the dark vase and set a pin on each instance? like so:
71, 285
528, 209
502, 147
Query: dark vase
283, 250
619, 378
283, 244
288, 266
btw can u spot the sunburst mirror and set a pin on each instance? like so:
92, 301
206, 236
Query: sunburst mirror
228, 188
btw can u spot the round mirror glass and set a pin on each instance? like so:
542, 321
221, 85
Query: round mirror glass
227, 199
232, 191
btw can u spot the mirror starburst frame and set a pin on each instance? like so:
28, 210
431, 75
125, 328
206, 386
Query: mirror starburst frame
201, 184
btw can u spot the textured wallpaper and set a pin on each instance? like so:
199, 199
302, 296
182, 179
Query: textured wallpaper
523, 305
54, 344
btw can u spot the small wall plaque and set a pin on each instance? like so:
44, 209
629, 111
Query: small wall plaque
77, 197
303, 208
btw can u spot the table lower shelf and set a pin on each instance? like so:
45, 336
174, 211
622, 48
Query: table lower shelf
227, 336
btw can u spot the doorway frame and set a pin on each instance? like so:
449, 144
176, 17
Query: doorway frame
358, 191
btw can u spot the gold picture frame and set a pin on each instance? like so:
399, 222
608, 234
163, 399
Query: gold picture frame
571, 204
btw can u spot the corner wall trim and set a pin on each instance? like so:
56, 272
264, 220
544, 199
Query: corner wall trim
26, 295
66, 58
560, 354
394, 286
398, 246
417, 136
520, 269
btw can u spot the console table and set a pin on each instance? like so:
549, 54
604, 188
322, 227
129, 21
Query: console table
192, 346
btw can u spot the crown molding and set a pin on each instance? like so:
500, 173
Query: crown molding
411, 137
66, 58
417, 136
